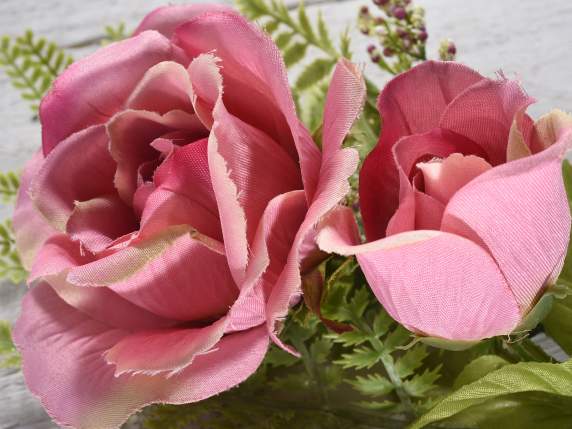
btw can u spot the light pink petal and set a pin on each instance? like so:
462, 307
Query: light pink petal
256, 84
97, 222
163, 350
63, 365
484, 114
165, 19
31, 229
519, 137
131, 133
440, 285
443, 178
520, 212
164, 87
549, 128
79, 169
172, 275
80, 97
344, 102
410, 103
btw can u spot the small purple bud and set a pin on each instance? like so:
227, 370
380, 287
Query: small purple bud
423, 35
388, 52
379, 21
452, 49
364, 10
402, 33
375, 58
371, 48
399, 12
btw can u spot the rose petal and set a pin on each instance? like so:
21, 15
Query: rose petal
114, 69
519, 211
31, 229
484, 114
549, 128
256, 84
79, 169
63, 365
440, 285
97, 222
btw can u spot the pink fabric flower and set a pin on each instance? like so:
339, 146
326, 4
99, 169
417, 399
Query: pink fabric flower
463, 204
167, 216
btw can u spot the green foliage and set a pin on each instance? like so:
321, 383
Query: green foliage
527, 377
11, 266
114, 33
478, 368
9, 357
9, 184
32, 64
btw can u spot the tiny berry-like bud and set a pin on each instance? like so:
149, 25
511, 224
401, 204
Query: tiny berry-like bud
401, 32
452, 49
379, 21
364, 29
423, 35
399, 12
381, 2
388, 52
371, 48
364, 10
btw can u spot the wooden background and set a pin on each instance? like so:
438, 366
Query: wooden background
531, 39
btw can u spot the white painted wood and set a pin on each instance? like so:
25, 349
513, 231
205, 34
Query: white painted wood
528, 37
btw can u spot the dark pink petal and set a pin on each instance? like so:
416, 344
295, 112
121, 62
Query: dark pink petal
520, 212
63, 365
441, 285
411, 103
165, 19
166, 351
97, 222
31, 229
112, 70
256, 84
171, 274
79, 169
484, 114
164, 87
131, 133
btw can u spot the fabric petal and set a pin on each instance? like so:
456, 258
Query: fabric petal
63, 365
114, 69
97, 222
164, 87
484, 114
256, 84
79, 169
172, 275
31, 229
519, 211
441, 285
163, 350
549, 128
165, 19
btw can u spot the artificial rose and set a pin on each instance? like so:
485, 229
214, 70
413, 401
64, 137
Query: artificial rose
463, 204
165, 223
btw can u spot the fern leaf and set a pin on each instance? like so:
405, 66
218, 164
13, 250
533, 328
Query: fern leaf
305, 25
9, 356
323, 34
282, 40
314, 73
372, 385
411, 360
295, 53
420, 384
396, 338
9, 184
363, 357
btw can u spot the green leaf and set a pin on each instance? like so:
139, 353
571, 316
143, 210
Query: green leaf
478, 368
411, 360
396, 338
372, 385
277, 357
9, 356
362, 357
314, 73
548, 378
305, 25
350, 338
283, 39
381, 323
294, 53
420, 384
324, 36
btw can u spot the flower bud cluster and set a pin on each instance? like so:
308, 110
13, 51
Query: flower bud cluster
399, 31
447, 50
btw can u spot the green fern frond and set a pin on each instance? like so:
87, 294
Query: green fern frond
32, 64
9, 356
11, 267
9, 184
114, 33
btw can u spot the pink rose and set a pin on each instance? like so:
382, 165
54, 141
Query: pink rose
167, 217
463, 204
